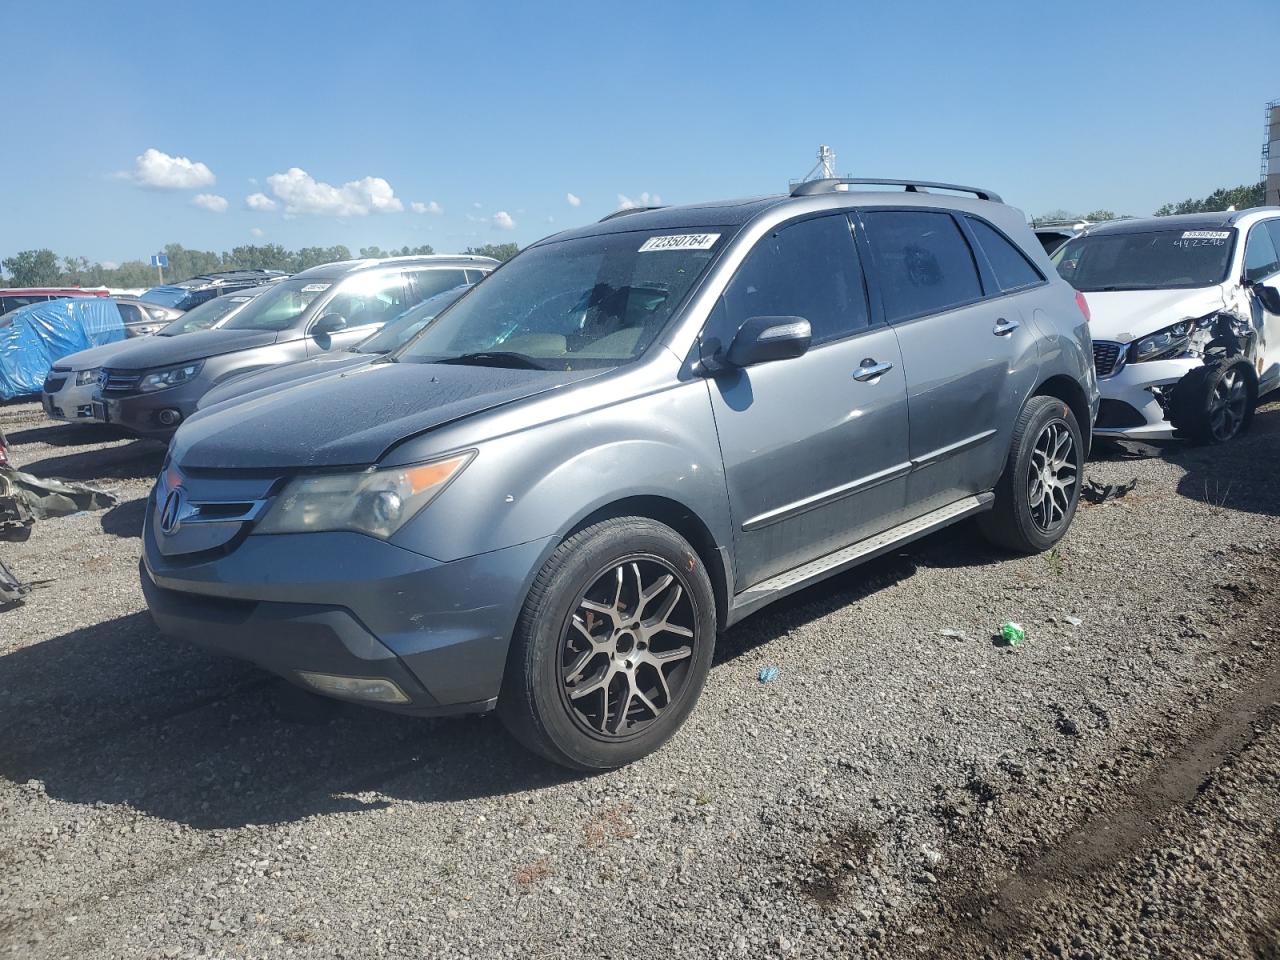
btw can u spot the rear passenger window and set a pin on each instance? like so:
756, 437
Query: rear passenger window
809, 269
427, 283
1012, 269
923, 262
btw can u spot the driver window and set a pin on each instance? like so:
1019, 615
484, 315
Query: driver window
366, 301
1260, 259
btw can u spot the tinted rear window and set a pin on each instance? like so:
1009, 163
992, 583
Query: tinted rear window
1012, 269
923, 262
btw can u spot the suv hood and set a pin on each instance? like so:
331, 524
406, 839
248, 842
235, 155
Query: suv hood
286, 374
1126, 315
149, 352
351, 418
93, 357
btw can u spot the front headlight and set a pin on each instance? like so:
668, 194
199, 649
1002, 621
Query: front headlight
373, 501
171, 377
1162, 342
86, 377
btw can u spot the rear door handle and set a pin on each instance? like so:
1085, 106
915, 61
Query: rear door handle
1005, 327
870, 370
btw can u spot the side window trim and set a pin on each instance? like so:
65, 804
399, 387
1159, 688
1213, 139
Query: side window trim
985, 269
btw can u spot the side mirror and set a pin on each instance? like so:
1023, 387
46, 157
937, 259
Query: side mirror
330, 323
762, 339
1269, 295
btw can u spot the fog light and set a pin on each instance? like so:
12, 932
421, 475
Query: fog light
168, 417
354, 688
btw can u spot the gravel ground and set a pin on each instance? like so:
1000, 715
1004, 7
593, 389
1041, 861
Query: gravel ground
1107, 789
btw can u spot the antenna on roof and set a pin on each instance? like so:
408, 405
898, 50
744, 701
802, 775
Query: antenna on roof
825, 168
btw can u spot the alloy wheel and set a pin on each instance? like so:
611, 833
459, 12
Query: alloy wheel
1227, 405
627, 647
1053, 475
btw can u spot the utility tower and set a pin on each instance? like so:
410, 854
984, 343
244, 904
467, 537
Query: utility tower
1271, 154
825, 168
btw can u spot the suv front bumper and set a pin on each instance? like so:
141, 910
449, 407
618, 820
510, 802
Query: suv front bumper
347, 605
1129, 408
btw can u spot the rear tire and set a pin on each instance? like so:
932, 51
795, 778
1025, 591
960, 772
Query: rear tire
612, 647
1214, 403
1037, 493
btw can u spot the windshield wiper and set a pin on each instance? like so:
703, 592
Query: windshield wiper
496, 358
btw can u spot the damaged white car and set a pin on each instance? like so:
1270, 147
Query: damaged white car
1185, 320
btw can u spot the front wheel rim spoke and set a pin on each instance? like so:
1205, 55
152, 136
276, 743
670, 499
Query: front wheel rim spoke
629, 647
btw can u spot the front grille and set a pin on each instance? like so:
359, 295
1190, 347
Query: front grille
53, 384
1108, 357
119, 381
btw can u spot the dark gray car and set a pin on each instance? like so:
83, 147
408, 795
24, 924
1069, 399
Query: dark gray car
155, 384
626, 439
395, 334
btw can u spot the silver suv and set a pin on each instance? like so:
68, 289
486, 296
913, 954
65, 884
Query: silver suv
154, 384
626, 439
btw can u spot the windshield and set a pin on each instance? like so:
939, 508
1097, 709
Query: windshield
279, 307
402, 328
590, 302
205, 316
1156, 260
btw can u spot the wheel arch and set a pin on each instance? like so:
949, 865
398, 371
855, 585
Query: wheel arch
684, 521
1072, 394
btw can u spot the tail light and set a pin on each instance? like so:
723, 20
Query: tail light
1083, 304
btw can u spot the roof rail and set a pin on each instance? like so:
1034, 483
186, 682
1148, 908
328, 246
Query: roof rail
624, 212
830, 185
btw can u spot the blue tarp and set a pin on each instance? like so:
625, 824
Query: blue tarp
36, 335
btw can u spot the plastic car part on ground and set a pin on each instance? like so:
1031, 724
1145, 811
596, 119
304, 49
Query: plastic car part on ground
44, 499
12, 590
39, 334
1095, 492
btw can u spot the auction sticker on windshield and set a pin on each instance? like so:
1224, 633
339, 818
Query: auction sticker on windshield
316, 287
680, 241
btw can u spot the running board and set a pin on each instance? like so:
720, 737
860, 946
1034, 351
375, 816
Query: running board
775, 588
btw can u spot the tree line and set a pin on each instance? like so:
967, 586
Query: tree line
1241, 197
44, 268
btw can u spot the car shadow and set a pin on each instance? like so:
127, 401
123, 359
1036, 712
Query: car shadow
67, 434
138, 460
125, 519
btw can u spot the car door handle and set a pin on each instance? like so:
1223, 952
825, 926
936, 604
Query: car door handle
1005, 327
870, 370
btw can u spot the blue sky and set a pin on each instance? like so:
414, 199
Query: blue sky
498, 108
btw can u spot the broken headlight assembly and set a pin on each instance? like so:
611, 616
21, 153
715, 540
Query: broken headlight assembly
1163, 343
86, 377
377, 502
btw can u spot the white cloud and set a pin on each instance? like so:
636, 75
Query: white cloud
502, 221
110, 265
645, 199
256, 231
259, 201
551, 219
432, 208
574, 199
211, 202
302, 193
162, 172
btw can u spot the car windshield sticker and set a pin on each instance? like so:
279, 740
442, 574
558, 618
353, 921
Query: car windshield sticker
239, 299
1206, 234
680, 241
316, 287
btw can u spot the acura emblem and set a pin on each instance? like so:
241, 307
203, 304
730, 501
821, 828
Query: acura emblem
171, 512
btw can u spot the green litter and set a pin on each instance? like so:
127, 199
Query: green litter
1012, 634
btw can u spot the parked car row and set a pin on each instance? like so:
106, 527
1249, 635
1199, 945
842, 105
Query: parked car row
547, 492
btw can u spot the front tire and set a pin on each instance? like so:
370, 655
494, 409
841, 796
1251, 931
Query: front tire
612, 647
1039, 489
1214, 403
